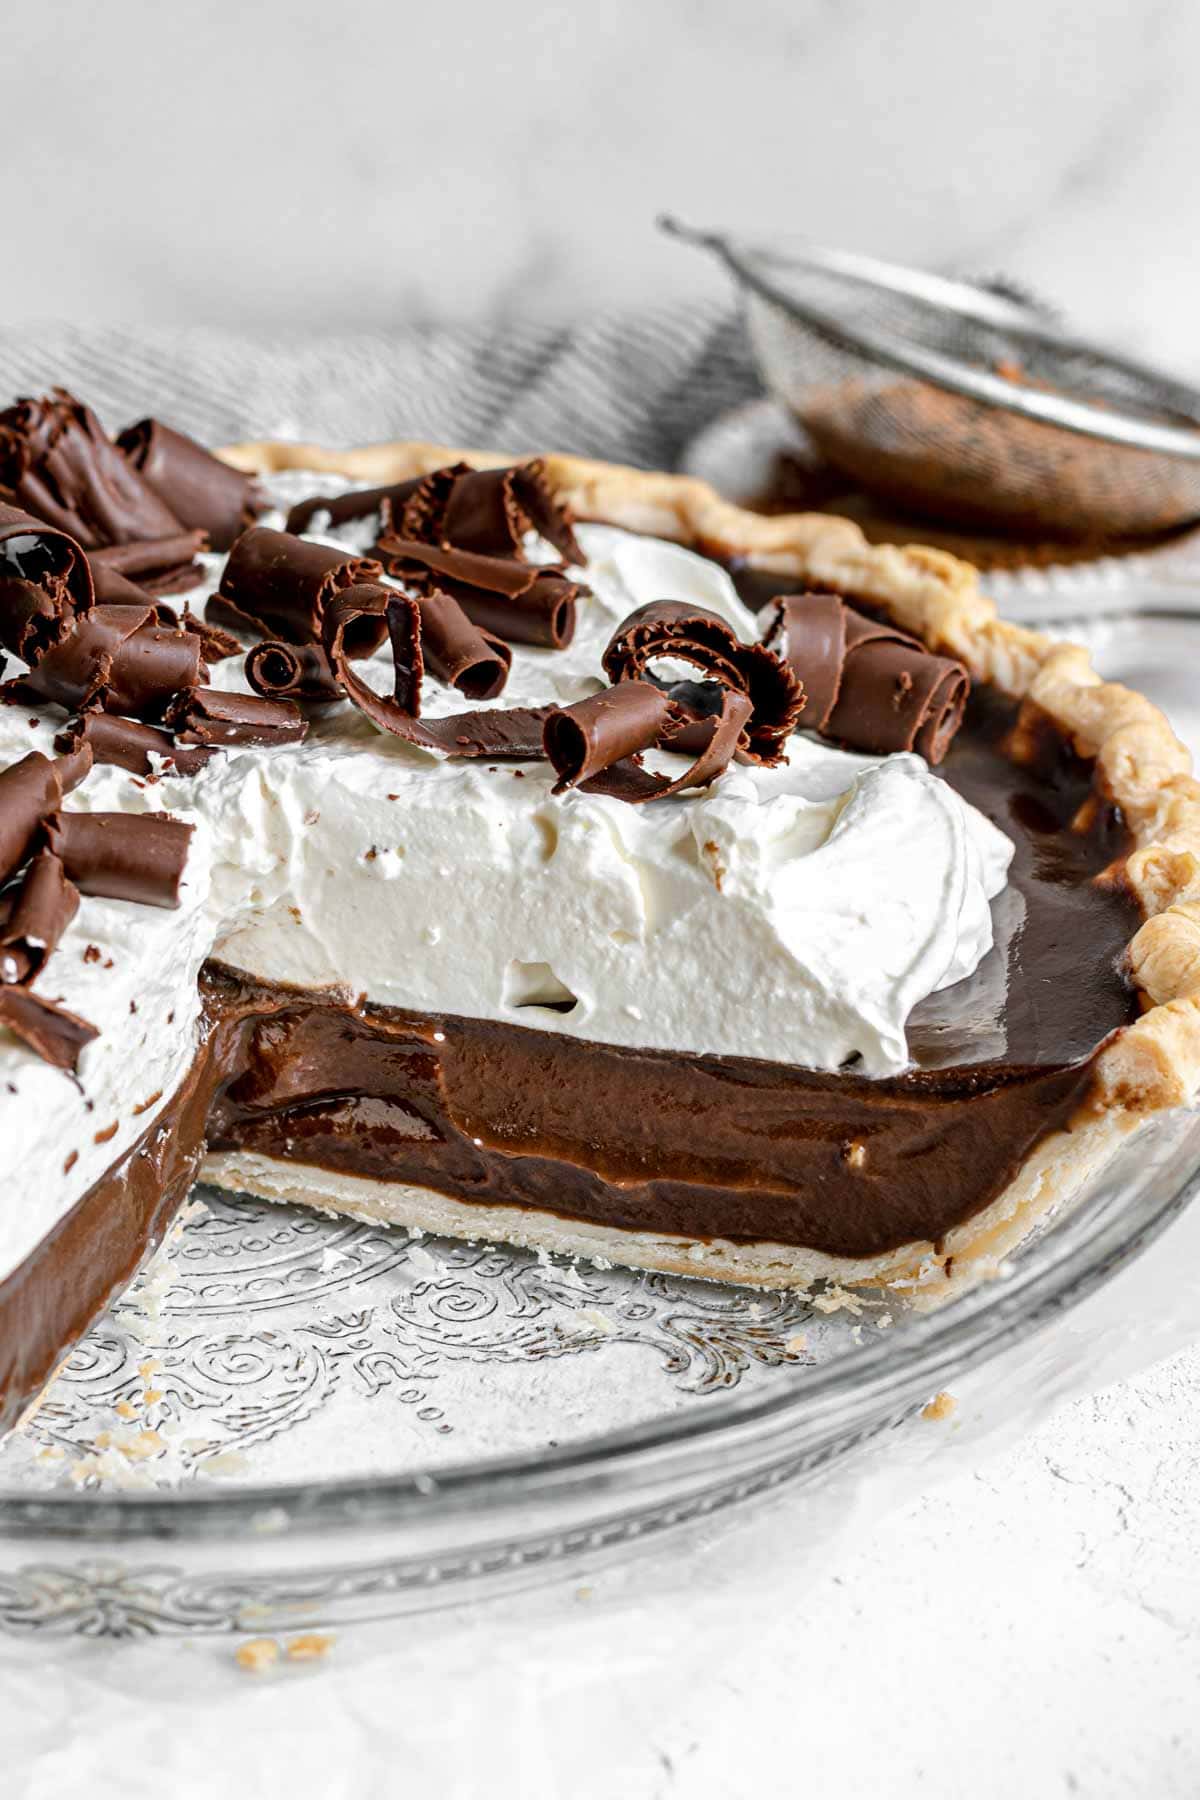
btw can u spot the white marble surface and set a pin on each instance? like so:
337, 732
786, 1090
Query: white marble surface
357, 164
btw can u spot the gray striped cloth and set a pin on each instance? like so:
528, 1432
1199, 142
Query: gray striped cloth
631, 388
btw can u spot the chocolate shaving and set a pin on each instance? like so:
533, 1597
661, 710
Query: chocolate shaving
592, 734
223, 616
280, 671
128, 744
359, 503
164, 565
122, 856
209, 716
460, 652
56, 461
275, 585
54, 1034
45, 583
523, 603
599, 733
117, 658
515, 733
218, 645
672, 629
29, 791
486, 510
869, 686
202, 492
113, 588
45, 904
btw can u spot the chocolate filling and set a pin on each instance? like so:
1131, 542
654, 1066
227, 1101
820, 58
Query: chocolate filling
50, 1299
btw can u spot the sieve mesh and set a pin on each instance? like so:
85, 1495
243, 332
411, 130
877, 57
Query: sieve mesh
967, 402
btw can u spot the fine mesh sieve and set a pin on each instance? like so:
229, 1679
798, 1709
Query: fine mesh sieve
966, 402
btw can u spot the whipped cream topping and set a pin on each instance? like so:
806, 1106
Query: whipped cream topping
795, 914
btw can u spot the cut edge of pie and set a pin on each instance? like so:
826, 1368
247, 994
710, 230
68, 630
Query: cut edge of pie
1151, 1066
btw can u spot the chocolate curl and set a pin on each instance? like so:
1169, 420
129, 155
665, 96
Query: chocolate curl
122, 856
45, 583
202, 492
418, 513
46, 902
301, 672
523, 603
625, 779
487, 510
359, 503
158, 566
128, 744
119, 659
56, 460
208, 716
29, 791
459, 652
113, 588
591, 735
869, 685
54, 1034
275, 585
216, 645
515, 733
672, 629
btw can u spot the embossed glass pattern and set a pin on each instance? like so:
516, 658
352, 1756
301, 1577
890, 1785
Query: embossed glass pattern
346, 1422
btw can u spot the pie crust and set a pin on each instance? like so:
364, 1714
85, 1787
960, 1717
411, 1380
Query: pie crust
1152, 1065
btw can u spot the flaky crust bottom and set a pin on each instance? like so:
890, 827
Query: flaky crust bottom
1050, 1179
1152, 1064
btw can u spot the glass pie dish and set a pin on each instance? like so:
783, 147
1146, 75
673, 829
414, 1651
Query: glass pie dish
324, 1422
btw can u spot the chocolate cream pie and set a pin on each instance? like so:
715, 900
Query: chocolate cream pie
551, 853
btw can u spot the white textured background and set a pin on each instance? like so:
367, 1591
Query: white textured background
355, 164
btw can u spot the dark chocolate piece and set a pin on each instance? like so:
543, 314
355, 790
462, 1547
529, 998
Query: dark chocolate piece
57, 1036
218, 645
128, 744
117, 658
280, 586
122, 856
592, 734
113, 588
513, 733
208, 716
280, 671
56, 460
29, 791
672, 630
44, 906
712, 753
460, 652
45, 583
203, 492
486, 510
359, 503
868, 685
158, 566
523, 603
